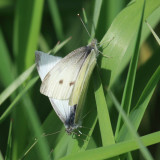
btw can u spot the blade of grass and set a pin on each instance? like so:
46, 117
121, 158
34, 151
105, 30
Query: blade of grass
128, 90
96, 13
43, 148
19, 96
130, 127
43, 44
122, 31
154, 34
84, 16
1, 156
113, 9
26, 31
137, 113
9, 143
6, 3
56, 20
115, 149
103, 114
15, 84
6, 65
59, 46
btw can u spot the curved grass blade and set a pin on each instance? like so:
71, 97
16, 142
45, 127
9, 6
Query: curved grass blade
103, 114
15, 84
153, 32
137, 113
131, 128
19, 96
42, 147
115, 149
128, 90
122, 31
60, 45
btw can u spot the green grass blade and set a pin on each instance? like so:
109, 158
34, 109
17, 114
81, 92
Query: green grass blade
84, 16
56, 20
115, 149
6, 65
103, 114
130, 127
113, 7
137, 113
1, 156
96, 13
19, 96
43, 44
26, 31
153, 32
15, 84
6, 3
59, 46
122, 31
128, 90
9, 143
42, 147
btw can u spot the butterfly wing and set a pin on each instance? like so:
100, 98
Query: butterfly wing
81, 85
59, 82
45, 63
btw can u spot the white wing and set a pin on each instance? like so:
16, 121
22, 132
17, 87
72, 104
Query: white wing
44, 64
59, 82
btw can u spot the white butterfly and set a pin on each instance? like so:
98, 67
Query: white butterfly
65, 81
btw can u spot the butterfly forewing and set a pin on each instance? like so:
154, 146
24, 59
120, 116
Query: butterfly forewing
45, 63
59, 82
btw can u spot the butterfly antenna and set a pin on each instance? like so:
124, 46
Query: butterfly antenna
84, 25
50, 134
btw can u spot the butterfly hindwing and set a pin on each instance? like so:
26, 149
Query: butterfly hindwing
80, 88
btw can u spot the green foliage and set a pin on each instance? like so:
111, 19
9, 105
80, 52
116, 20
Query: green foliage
127, 40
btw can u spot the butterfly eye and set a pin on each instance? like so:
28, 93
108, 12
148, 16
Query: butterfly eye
61, 81
71, 83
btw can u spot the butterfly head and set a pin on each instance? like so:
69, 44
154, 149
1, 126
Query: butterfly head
94, 45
